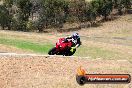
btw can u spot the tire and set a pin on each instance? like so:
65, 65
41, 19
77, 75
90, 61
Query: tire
52, 51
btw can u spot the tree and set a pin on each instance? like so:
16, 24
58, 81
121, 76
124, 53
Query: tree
5, 18
122, 4
25, 7
106, 8
91, 13
103, 7
126, 4
53, 14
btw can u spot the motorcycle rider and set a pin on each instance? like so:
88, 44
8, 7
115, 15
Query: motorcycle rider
75, 38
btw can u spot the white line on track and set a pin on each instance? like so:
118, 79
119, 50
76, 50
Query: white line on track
15, 54
39, 55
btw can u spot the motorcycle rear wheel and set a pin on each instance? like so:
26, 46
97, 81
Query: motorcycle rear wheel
69, 53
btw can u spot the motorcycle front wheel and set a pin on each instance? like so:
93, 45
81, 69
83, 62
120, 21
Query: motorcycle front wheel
52, 51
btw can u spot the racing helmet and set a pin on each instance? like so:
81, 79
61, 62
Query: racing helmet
75, 36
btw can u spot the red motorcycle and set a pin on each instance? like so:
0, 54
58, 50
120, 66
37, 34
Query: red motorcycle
62, 48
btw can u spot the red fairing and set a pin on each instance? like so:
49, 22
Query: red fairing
61, 45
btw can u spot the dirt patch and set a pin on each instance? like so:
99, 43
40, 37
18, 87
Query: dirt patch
56, 72
118, 26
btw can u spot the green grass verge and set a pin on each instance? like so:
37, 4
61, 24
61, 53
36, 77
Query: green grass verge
96, 52
27, 45
83, 51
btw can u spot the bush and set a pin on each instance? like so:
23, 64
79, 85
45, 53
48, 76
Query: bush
5, 18
122, 4
54, 13
105, 8
25, 7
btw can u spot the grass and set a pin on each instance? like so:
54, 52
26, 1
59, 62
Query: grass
27, 45
97, 52
116, 49
83, 51
120, 33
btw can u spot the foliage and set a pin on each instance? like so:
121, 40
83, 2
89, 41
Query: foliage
55, 13
105, 8
122, 4
25, 7
5, 18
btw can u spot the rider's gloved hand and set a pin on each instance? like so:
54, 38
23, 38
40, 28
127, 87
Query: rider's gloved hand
72, 49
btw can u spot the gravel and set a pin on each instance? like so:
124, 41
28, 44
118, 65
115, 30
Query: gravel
27, 71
